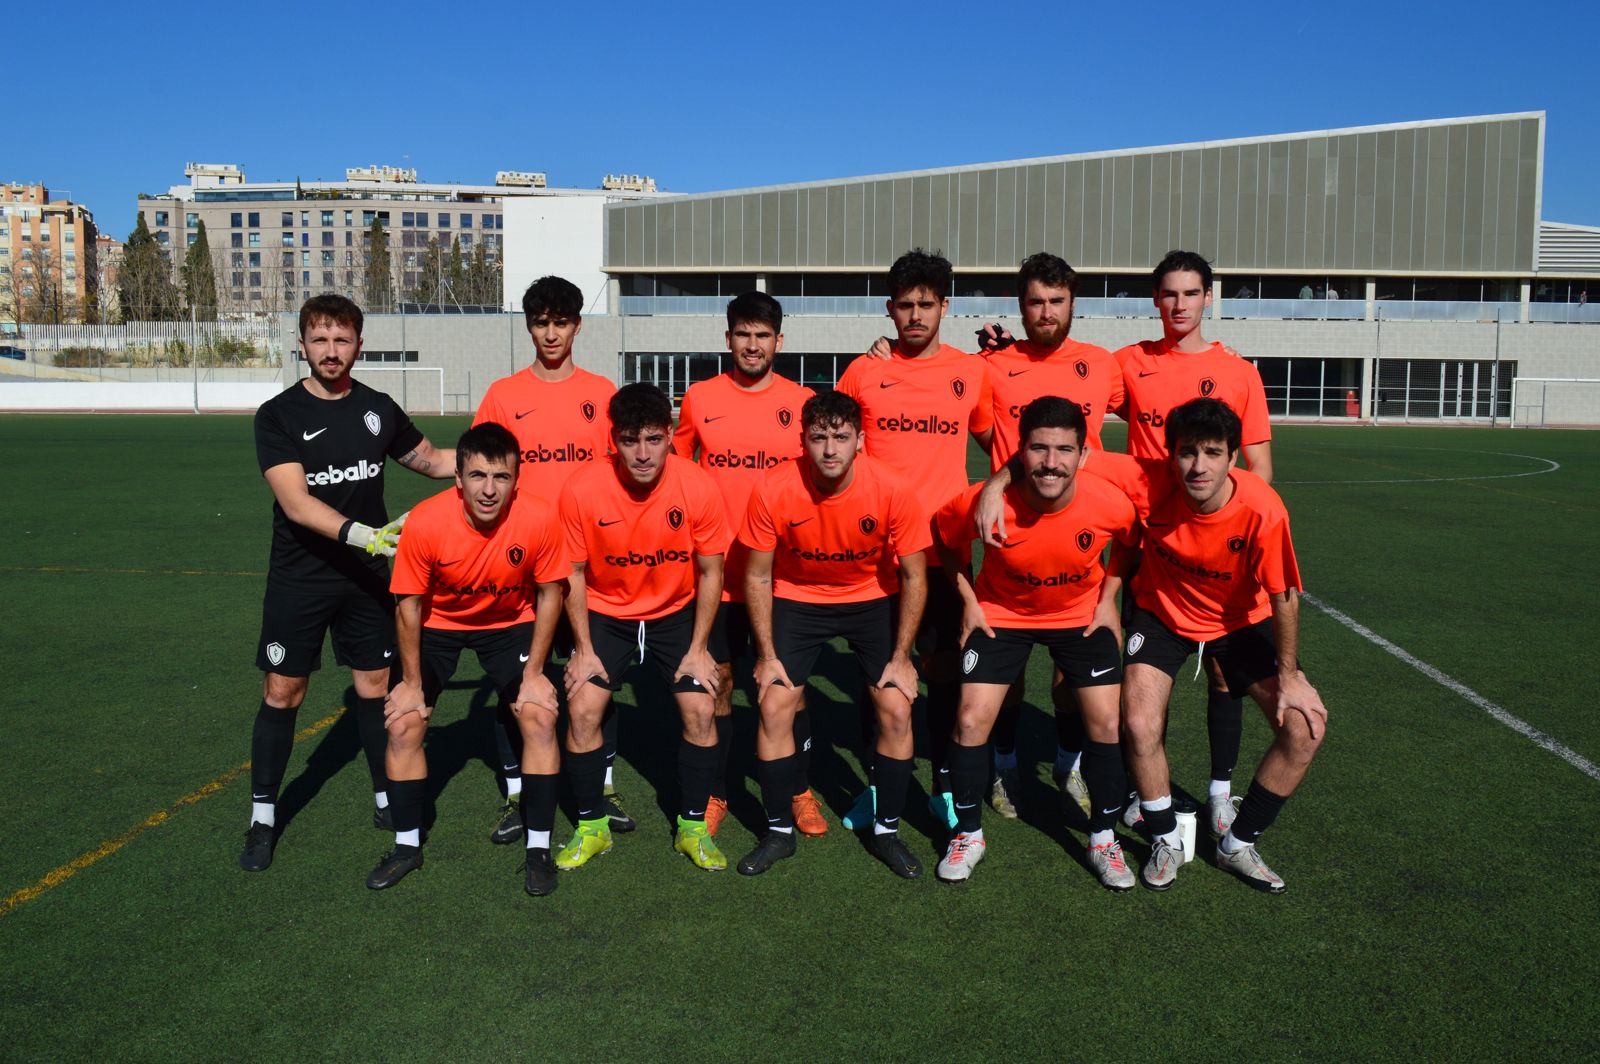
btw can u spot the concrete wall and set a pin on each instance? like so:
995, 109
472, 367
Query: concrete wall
119, 395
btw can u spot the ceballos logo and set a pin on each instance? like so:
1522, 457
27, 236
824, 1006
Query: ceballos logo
906, 423
734, 460
587, 410
675, 518
869, 525
785, 416
660, 557
362, 470
568, 453
514, 555
1081, 368
1085, 539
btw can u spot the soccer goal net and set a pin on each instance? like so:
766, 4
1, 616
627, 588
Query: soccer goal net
418, 389
1551, 402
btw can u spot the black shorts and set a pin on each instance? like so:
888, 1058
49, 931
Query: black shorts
731, 634
295, 620
502, 652
801, 629
665, 640
1247, 655
940, 630
1091, 662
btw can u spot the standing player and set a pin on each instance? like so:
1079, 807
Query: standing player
321, 445
480, 568
918, 408
743, 423
1046, 587
557, 411
1219, 571
833, 539
646, 534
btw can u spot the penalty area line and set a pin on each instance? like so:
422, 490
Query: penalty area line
55, 878
1510, 720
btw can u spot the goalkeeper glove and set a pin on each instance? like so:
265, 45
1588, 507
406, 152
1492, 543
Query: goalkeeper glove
375, 540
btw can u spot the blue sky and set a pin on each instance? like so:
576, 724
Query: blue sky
710, 96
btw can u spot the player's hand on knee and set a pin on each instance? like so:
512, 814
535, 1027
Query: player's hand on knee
536, 693
405, 698
1106, 615
697, 665
899, 676
770, 672
583, 666
1295, 694
881, 348
973, 620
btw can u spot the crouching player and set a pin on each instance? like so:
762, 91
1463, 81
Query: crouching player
479, 568
834, 538
1046, 587
1219, 571
645, 533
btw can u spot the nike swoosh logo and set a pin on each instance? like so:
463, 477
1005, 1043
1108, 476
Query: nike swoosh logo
388, 653
1015, 372
1113, 811
792, 524
1148, 372
970, 805
719, 417
524, 657
613, 521
1092, 672
525, 413
694, 814
887, 384
1008, 544
444, 565
313, 435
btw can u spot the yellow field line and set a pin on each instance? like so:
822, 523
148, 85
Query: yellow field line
125, 572
60, 875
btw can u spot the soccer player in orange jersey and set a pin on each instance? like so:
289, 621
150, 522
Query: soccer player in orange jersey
1045, 587
479, 568
742, 423
646, 533
837, 548
557, 411
918, 409
1219, 571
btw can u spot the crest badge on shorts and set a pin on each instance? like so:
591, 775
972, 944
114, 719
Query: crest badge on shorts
675, 518
514, 555
969, 661
1135, 641
374, 425
275, 653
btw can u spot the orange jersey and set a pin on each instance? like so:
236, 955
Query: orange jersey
1048, 575
916, 413
469, 579
1134, 477
560, 426
1205, 575
1019, 374
1158, 379
740, 435
835, 548
639, 553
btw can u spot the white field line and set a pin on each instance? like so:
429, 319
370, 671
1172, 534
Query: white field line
1510, 720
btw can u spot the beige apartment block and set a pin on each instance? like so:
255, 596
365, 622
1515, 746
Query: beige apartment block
48, 256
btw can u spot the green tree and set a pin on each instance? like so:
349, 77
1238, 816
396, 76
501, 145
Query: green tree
379, 289
456, 273
144, 282
483, 278
430, 269
200, 279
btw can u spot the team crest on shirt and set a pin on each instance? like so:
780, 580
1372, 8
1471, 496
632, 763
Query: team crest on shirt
958, 386
785, 416
1236, 545
586, 408
1081, 368
969, 661
275, 653
1085, 539
869, 524
374, 425
1207, 386
514, 555
675, 518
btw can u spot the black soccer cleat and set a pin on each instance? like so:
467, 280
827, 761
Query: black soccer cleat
258, 843
541, 873
508, 828
621, 822
394, 866
773, 847
892, 852
382, 819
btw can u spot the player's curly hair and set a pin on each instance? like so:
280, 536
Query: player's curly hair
1178, 261
1052, 412
1052, 271
637, 407
755, 308
330, 307
1202, 421
556, 297
920, 269
489, 440
830, 409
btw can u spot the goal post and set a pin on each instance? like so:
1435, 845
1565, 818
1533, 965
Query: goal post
1550, 402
